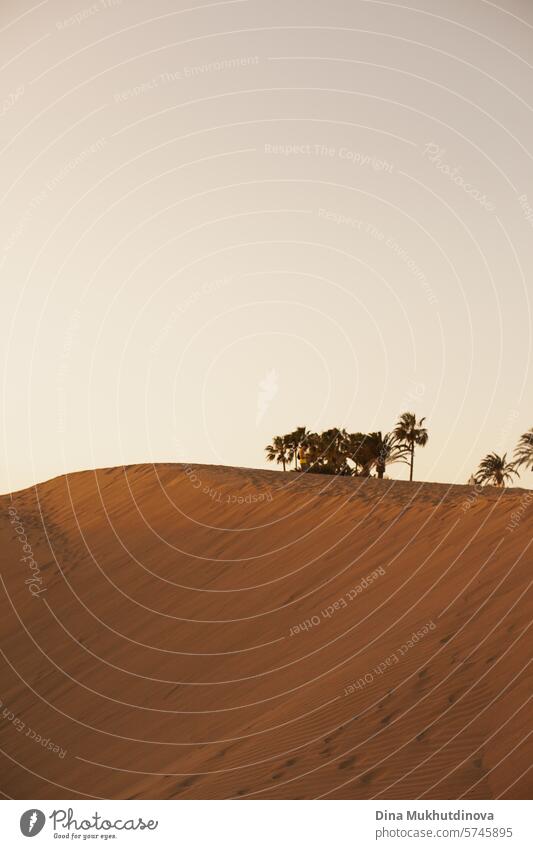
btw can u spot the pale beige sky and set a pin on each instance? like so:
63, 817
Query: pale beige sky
223, 220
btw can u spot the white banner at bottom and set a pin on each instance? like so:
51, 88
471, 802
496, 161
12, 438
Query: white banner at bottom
268, 824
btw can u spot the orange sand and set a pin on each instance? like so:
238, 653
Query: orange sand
161, 655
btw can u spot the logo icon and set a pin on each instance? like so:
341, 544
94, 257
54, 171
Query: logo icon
32, 822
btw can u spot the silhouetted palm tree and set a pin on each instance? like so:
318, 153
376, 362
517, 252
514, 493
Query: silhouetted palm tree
377, 451
298, 439
411, 432
494, 469
332, 450
325, 453
280, 451
354, 450
523, 453
312, 450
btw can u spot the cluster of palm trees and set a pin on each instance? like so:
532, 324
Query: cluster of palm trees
337, 452
497, 470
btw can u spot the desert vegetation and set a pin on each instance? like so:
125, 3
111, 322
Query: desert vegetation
497, 470
337, 452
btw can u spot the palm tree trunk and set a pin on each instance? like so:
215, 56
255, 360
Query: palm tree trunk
283, 461
412, 460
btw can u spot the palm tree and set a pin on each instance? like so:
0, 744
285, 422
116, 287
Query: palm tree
290, 445
524, 450
298, 439
312, 450
354, 450
326, 452
332, 449
280, 451
377, 451
411, 432
495, 470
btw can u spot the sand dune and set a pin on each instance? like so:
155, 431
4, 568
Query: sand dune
210, 632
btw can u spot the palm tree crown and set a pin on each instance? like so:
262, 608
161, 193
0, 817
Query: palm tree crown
494, 469
378, 450
524, 450
280, 451
298, 439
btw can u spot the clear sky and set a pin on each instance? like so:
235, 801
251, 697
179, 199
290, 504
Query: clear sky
222, 220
